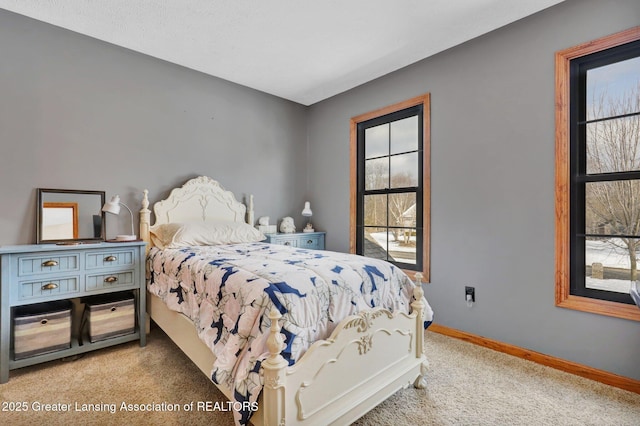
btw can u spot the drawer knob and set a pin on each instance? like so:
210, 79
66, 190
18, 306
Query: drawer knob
309, 241
50, 263
111, 279
44, 321
110, 259
50, 286
287, 243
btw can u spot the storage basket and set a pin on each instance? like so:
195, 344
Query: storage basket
41, 328
110, 315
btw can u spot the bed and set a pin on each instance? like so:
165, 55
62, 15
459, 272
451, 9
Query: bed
367, 357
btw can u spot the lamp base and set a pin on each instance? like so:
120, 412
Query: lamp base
126, 237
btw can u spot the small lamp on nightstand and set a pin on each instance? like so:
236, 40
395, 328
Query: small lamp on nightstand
306, 212
113, 207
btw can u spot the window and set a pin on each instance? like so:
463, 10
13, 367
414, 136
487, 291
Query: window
390, 185
598, 175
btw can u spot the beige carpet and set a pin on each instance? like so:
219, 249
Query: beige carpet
468, 385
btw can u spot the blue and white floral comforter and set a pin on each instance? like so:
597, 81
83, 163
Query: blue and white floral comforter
228, 290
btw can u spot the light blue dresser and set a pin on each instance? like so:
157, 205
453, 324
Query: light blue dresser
307, 240
32, 274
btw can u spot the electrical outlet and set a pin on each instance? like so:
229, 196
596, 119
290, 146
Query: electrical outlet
470, 291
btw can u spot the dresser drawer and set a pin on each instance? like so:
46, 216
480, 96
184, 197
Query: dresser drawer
110, 259
314, 242
286, 241
305, 240
42, 289
95, 282
44, 264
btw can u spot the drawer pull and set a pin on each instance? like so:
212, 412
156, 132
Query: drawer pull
44, 321
110, 259
50, 286
111, 279
113, 309
287, 243
49, 263
309, 241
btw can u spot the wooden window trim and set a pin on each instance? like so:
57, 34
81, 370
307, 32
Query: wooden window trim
425, 101
563, 295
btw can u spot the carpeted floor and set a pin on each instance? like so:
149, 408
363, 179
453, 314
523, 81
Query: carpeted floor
468, 385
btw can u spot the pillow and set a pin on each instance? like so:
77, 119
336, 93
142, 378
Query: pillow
176, 235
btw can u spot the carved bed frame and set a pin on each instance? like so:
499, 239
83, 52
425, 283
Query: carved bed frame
368, 357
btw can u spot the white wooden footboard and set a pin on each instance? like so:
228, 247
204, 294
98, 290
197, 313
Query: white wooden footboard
367, 358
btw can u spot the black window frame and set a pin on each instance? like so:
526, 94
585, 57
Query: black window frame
412, 111
578, 166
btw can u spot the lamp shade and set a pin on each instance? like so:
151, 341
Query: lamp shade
112, 206
307, 209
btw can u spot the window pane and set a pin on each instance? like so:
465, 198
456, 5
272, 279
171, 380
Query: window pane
398, 245
376, 141
613, 208
375, 210
376, 243
613, 145
610, 263
402, 209
402, 213
403, 246
404, 170
404, 135
613, 89
376, 173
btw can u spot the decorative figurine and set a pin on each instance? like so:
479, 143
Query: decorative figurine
287, 226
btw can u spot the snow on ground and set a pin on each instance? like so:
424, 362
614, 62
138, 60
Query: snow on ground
612, 256
620, 286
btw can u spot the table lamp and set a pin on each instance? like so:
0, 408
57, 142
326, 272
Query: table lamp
306, 212
113, 207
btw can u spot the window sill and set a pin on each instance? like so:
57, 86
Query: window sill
600, 307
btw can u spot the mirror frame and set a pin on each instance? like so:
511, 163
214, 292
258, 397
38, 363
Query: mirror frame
39, 216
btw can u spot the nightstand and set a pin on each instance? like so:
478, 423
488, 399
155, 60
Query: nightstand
307, 240
35, 274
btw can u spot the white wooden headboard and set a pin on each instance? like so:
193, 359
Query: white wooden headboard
200, 199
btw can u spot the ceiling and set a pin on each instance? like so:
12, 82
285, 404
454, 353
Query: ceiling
301, 50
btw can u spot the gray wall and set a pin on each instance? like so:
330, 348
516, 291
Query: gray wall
78, 113
492, 190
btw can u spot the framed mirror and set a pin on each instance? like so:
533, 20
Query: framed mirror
69, 217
